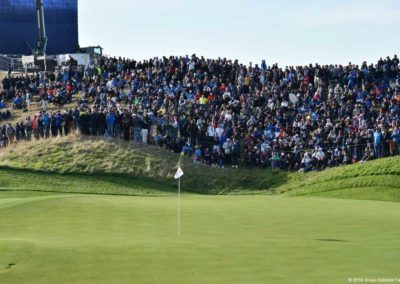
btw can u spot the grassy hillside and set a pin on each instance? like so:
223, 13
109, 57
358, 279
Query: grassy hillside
119, 161
27, 180
374, 180
94, 165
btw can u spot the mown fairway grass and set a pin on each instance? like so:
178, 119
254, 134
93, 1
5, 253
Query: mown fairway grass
61, 238
78, 210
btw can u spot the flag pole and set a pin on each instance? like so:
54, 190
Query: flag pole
178, 176
179, 206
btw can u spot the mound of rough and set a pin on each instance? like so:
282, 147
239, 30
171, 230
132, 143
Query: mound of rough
115, 159
96, 165
373, 180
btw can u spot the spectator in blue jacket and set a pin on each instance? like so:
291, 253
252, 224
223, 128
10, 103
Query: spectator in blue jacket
110, 120
378, 142
46, 125
17, 102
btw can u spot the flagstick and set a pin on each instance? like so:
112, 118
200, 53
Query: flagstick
179, 206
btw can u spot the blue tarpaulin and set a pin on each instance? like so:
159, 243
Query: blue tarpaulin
19, 32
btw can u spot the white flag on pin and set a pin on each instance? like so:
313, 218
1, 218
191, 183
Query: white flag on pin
179, 173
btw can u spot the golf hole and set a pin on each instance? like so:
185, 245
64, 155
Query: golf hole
10, 265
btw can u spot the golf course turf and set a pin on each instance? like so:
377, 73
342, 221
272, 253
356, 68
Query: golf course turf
78, 210
72, 238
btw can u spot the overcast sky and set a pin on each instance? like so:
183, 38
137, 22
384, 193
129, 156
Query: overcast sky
287, 32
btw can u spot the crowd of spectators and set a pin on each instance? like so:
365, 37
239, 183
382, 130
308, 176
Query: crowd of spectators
221, 112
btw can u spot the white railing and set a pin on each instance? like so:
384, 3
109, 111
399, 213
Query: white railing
5, 63
8, 62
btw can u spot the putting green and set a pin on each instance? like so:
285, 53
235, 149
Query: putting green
55, 238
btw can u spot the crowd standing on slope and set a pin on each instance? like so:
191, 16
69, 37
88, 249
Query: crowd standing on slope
220, 112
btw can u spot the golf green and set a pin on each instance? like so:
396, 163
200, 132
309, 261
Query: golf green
59, 238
